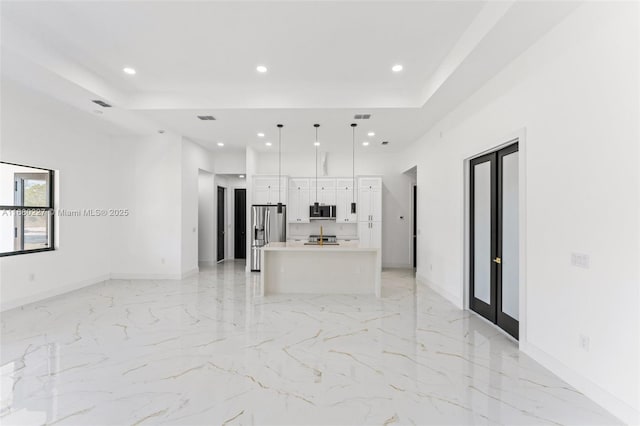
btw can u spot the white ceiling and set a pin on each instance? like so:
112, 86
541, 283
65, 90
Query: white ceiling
327, 61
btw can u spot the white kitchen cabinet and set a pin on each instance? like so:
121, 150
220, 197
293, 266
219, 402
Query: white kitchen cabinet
370, 234
344, 197
369, 208
344, 183
265, 190
326, 191
369, 204
298, 201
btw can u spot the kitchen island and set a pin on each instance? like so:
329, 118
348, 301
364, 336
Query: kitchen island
343, 268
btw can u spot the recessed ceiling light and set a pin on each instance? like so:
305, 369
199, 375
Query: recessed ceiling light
261, 135
241, 176
261, 68
365, 143
220, 144
396, 68
267, 143
316, 143
371, 134
129, 70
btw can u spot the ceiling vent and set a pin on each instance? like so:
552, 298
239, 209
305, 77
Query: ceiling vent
206, 117
385, 142
103, 104
362, 116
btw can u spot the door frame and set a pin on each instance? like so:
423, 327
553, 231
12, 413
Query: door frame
481, 148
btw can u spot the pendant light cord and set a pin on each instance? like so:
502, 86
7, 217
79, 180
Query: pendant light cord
279, 162
316, 144
353, 162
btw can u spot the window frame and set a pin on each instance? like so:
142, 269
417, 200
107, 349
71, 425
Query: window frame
50, 208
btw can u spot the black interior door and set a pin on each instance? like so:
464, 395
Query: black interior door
494, 256
240, 221
415, 226
220, 223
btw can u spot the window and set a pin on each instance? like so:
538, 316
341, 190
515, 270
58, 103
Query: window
26, 209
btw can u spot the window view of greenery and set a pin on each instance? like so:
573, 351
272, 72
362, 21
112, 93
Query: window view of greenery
26, 211
36, 223
35, 192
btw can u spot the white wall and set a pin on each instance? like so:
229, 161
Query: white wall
145, 177
206, 215
194, 159
39, 131
251, 168
229, 160
396, 192
575, 95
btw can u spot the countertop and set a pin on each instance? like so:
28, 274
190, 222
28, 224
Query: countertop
300, 246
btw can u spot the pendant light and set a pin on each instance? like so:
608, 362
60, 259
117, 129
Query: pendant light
353, 160
316, 205
279, 167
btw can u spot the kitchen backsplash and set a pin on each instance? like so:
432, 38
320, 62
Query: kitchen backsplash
301, 231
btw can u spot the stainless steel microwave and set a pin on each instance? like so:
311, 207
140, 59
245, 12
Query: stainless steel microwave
323, 212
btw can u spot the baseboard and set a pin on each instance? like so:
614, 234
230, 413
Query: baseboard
39, 297
456, 300
396, 266
144, 276
600, 396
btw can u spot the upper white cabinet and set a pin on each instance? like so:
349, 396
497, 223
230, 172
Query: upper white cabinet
344, 183
344, 197
298, 201
326, 191
369, 204
266, 191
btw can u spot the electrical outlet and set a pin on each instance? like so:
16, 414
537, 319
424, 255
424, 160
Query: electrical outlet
580, 260
162, 260
584, 342
430, 267
32, 277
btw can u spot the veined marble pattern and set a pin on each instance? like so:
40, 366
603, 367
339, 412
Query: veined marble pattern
205, 351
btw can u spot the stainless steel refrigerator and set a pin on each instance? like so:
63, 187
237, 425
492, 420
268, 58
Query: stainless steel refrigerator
267, 226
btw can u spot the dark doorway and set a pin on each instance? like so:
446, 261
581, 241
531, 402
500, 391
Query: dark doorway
240, 223
415, 226
221, 222
493, 240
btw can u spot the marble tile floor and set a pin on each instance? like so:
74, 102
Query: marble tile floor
205, 351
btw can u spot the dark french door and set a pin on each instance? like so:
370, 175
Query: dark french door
494, 257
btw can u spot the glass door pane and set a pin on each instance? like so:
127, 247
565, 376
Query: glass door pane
510, 255
482, 232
